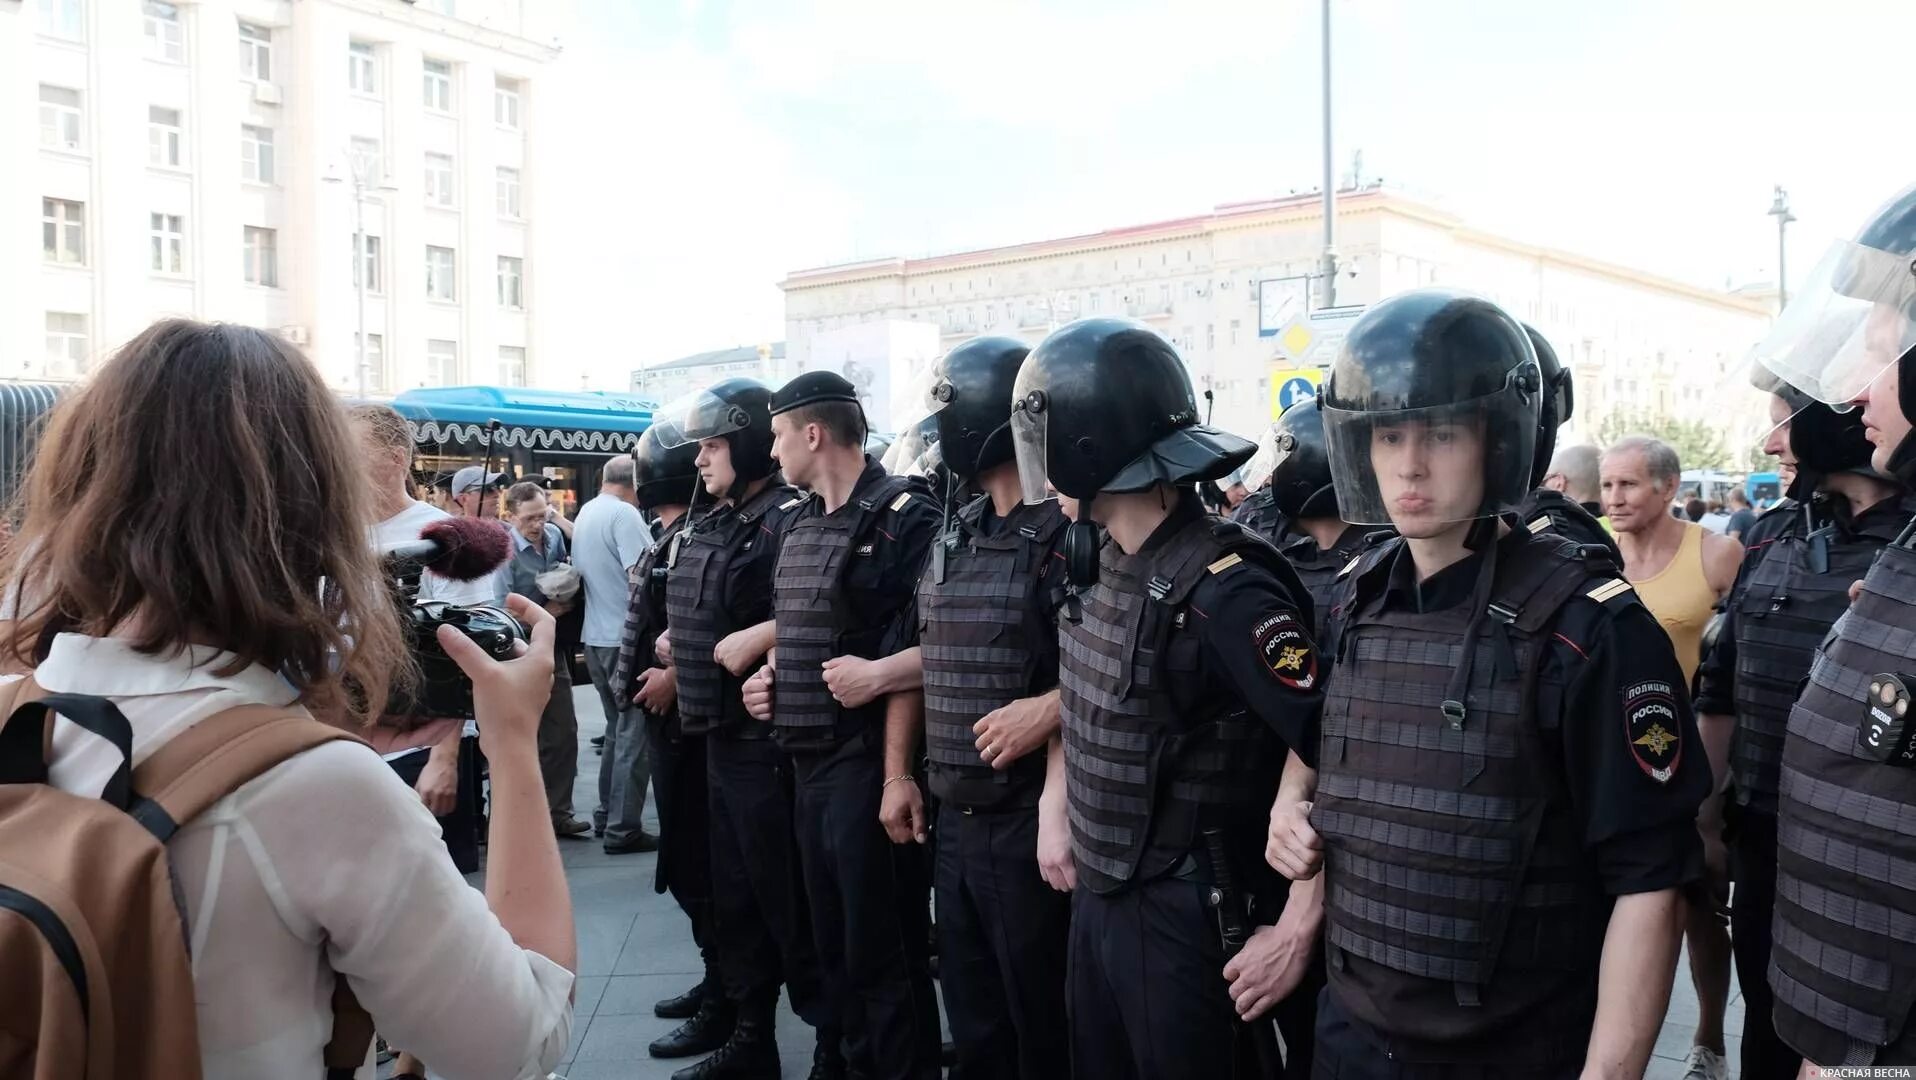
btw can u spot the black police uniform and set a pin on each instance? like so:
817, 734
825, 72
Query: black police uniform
843, 580
1259, 513
987, 625
1572, 774
1187, 674
1544, 510
720, 582
1319, 569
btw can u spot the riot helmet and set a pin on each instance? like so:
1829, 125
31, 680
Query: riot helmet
664, 475
969, 403
1431, 411
913, 451
736, 410
1105, 404
1822, 438
1555, 408
1293, 460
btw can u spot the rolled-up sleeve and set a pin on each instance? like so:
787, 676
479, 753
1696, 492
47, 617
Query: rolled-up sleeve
419, 946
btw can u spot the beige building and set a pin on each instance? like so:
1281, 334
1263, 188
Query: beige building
1637, 342
198, 158
674, 379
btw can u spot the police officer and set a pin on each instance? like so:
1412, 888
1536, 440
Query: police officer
1186, 668
1505, 801
664, 481
1545, 508
718, 598
1782, 606
845, 575
1843, 959
1317, 541
985, 637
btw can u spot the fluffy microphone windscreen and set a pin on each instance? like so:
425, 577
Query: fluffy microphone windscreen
474, 547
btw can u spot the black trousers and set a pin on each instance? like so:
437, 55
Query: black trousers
870, 913
461, 827
1147, 994
1002, 934
1348, 1050
763, 932
680, 794
1752, 843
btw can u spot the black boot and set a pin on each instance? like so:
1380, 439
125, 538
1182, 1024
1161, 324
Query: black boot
686, 1005
750, 1054
705, 1032
828, 1061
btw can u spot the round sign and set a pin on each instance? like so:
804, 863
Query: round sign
1295, 390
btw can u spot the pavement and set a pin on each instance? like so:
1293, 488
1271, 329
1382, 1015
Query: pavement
635, 948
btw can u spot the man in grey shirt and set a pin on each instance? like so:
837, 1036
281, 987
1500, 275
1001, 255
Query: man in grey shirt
608, 537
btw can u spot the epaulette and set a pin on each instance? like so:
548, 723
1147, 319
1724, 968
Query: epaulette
1613, 593
791, 502
899, 503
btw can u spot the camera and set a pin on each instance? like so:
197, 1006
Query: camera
443, 689
1885, 734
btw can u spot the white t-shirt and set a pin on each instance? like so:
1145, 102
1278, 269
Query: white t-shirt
405, 526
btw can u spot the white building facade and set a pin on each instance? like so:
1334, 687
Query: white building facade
199, 157
674, 379
1638, 343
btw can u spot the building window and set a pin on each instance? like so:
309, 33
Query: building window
63, 19
512, 365
1234, 331
165, 40
63, 231
163, 136
369, 163
1210, 335
67, 351
505, 103
256, 52
256, 154
166, 244
374, 360
367, 261
262, 256
59, 117
512, 282
442, 362
439, 179
362, 69
441, 284
439, 86
506, 192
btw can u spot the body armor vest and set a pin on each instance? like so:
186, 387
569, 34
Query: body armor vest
1451, 852
979, 622
1259, 513
1319, 568
1843, 965
1798, 588
645, 616
1546, 510
1149, 756
814, 620
696, 588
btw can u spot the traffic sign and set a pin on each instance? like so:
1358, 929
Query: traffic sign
1292, 385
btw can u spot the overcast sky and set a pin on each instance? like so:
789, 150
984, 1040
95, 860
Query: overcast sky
708, 147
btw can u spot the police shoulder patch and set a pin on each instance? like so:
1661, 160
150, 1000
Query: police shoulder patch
1287, 650
1652, 728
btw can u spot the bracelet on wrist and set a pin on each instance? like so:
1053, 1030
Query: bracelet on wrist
889, 781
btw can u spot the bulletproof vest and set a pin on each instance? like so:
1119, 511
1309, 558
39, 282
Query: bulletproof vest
1259, 513
1145, 763
709, 695
1798, 587
1843, 964
1319, 568
645, 617
1546, 510
815, 623
1451, 853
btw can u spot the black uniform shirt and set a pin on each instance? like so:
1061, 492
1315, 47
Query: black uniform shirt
881, 574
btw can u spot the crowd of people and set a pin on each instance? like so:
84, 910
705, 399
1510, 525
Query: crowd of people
1419, 765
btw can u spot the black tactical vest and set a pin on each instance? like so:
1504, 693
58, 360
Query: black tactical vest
1451, 854
1148, 755
978, 623
1843, 964
696, 589
1796, 590
1319, 568
816, 624
645, 617
1259, 513
1546, 510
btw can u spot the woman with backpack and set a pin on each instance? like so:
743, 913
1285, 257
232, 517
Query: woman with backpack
194, 553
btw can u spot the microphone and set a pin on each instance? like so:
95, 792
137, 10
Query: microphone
458, 549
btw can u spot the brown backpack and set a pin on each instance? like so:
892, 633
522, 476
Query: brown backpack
93, 934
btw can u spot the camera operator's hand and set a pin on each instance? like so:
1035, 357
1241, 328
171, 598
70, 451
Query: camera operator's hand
658, 690
507, 697
757, 694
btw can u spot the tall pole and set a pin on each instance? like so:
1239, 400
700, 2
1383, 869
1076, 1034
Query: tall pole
1780, 210
1330, 183
359, 272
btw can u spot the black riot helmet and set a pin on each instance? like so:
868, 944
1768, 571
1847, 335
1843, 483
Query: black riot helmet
970, 403
1106, 405
1417, 373
737, 410
1558, 404
664, 475
1823, 439
1293, 460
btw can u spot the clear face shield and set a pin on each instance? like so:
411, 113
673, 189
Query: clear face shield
1030, 416
1422, 470
1272, 450
1854, 318
696, 417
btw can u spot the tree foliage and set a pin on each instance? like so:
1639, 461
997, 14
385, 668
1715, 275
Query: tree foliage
1697, 443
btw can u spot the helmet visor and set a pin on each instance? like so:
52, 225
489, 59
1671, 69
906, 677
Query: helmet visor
1029, 419
912, 453
697, 416
1272, 449
1854, 318
1421, 469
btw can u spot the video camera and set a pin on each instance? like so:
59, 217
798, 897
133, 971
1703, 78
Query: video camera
459, 549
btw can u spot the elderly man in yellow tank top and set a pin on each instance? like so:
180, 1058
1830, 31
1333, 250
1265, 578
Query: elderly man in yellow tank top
1681, 570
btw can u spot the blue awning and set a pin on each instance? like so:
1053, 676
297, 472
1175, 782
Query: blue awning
592, 421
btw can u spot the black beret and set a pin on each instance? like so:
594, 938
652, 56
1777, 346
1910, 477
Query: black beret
811, 388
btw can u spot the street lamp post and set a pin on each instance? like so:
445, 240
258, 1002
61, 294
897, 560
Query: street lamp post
360, 188
1780, 210
1330, 182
